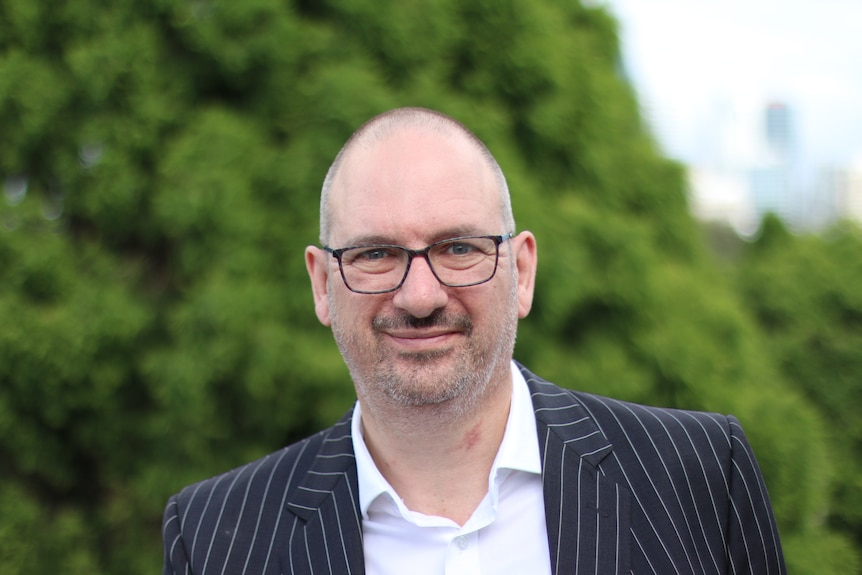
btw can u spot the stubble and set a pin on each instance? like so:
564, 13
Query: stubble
452, 380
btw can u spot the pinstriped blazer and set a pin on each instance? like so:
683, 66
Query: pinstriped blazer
628, 489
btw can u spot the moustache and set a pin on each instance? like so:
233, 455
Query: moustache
437, 319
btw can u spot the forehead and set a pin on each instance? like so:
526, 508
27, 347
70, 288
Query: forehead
414, 186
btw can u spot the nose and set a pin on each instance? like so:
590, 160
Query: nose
421, 293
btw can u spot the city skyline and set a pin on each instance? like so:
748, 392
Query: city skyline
761, 100
700, 64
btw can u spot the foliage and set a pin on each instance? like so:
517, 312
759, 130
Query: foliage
161, 162
804, 292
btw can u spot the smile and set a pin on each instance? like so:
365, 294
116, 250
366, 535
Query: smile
421, 339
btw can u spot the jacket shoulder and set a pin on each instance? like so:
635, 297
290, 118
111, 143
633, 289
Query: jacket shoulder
290, 461
614, 416
623, 416
267, 482
690, 468
235, 516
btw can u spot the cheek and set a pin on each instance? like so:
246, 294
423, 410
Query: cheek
348, 312
499, 306
485, 306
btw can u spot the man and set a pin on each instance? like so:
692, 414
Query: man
455, 458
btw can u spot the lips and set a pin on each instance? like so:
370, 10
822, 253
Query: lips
420, 334
421, 340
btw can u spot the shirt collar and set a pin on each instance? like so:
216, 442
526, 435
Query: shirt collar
519, 450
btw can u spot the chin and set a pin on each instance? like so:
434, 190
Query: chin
426, 384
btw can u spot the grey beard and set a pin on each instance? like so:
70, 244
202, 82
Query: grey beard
467, 381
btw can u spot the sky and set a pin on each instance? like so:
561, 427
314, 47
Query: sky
706, 69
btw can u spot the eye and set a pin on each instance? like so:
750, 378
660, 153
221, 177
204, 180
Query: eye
461, 248
372, 254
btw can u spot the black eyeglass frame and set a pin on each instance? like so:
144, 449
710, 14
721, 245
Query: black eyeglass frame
411, 254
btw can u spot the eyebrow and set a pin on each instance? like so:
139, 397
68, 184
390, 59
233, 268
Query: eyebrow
445, 234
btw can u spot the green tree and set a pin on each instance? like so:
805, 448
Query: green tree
161, 162
804, 292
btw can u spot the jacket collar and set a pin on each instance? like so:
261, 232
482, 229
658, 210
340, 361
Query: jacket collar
586, 514
576, 494
559, 412
332, 470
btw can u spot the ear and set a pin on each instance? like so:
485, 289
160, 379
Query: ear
524, 251
318, 270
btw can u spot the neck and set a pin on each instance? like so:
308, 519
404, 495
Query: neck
438, 458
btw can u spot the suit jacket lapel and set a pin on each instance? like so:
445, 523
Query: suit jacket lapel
329, 537
587, 515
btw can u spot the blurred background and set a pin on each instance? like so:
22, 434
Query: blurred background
160, 163
759, 99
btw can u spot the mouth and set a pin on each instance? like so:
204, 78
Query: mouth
417, 339
423, 334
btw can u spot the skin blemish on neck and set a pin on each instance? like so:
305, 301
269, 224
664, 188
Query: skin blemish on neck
472, 437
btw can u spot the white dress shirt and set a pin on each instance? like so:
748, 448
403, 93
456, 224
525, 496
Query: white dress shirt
506, 533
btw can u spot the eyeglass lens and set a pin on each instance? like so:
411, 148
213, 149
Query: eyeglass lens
456, 262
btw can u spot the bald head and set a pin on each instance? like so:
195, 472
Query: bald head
387, 125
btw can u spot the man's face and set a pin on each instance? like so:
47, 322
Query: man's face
425, 343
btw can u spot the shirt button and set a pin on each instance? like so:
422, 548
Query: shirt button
461, 542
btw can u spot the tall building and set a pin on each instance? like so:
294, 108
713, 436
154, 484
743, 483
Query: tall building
779, 134
772, 179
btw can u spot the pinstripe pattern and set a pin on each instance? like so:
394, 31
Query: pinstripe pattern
294, 511
658, 490
628, 489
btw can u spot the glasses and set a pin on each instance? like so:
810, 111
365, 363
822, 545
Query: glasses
456, 262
